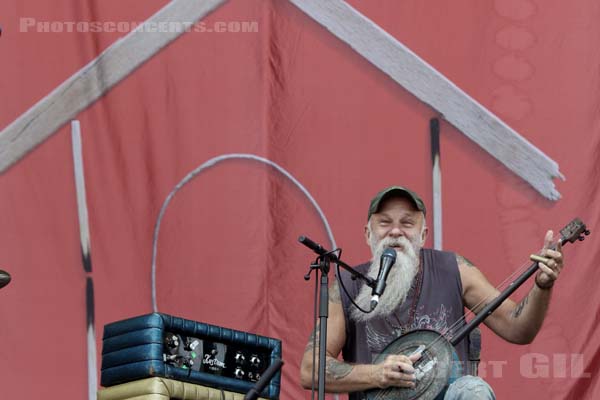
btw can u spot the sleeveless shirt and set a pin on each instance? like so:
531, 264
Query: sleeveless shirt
439, 305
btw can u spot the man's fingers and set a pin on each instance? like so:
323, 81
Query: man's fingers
403, 380
406, 368
399, 359
557, 255
549, 271
402, 376
549, 261
546, 265
397, 371
548, 239
400, 370
554, 262
539, 259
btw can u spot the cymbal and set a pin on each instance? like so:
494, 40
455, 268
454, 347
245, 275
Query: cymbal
4, 278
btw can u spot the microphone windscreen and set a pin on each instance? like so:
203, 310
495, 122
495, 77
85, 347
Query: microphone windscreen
389, 252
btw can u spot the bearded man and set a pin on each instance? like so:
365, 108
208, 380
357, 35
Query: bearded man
426, 289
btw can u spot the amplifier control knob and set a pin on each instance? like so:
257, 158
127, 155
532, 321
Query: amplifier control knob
191, 344
239, 373
188, 362
172, 341
255, 361
240, 358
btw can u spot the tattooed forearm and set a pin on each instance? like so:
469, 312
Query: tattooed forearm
519, 308
336, 369
334, 293
314, 338
462, 260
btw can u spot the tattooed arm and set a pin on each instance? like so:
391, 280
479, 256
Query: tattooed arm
344, 377
514, 322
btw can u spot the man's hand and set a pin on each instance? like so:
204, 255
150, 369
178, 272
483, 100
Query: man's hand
396, 370
552, 264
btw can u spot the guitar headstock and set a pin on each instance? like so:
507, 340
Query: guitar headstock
575, 230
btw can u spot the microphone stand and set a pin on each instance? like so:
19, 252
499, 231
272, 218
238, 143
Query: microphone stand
322, 266
264, 380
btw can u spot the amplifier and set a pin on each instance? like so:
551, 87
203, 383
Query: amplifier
164, 389
161, 345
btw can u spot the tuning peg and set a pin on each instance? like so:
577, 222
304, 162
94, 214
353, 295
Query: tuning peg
587, 232
581, 238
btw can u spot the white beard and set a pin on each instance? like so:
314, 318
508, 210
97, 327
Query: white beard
399, 280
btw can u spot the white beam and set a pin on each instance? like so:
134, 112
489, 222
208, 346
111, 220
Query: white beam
98, 77
430, 86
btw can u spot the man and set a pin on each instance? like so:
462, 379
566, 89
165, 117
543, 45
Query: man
425, 289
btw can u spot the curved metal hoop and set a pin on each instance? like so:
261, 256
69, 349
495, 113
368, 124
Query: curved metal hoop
211, 163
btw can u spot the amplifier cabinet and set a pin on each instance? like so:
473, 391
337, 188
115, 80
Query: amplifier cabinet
164, 389
161, 345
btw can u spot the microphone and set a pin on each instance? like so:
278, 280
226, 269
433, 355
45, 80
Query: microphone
388, 258
317, 248
4, 278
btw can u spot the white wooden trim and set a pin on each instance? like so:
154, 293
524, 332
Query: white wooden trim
377, 46
437, 204
96, 78
434, 89
84, 235
92, 363
82, 210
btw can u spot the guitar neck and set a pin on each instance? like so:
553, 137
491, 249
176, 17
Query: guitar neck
493, 305
574, 231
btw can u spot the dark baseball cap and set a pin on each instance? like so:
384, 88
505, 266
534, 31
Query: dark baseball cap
396, 190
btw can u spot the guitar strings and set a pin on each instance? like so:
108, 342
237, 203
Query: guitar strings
462, 320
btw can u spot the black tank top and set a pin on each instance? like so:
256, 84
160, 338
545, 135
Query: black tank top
439, 305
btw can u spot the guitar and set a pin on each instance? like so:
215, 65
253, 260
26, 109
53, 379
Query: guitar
439, 364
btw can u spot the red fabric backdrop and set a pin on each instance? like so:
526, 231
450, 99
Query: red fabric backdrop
292, 93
